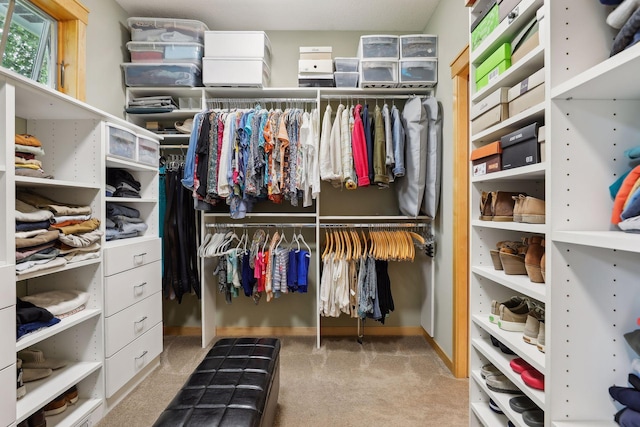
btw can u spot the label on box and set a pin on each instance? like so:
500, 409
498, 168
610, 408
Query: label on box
480, 169
527, 132
493, 74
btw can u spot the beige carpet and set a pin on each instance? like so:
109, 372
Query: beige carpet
392, 381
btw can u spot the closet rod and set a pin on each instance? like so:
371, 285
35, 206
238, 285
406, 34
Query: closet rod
378, 225
262, 225
167, 147
240, 100
357, 96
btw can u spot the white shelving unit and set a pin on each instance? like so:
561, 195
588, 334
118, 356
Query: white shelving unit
590, 295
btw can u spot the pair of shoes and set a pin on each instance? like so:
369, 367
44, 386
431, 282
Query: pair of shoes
530, 375
533, 259
514, 301
514, 318
512, 256
21, 390
60, 403
533, 325
497, 205
528, 209
503, 348
531, 414
501, 384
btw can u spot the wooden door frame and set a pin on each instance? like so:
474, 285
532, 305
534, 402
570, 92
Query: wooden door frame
460, 77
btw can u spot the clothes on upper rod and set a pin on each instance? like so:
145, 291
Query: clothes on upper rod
240, 157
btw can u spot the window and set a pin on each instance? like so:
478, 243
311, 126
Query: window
29, 45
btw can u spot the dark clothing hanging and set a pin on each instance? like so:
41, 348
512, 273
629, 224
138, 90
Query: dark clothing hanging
385, 298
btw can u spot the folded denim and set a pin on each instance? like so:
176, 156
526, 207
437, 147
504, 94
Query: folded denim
114, 209
29, 226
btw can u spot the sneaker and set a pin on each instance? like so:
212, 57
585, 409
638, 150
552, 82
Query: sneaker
532, 325
501, 384
540, 340
56, 406
514, 319
494, 316
21, 390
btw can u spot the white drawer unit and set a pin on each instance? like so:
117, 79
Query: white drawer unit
124, 257
129, 287
130, 323
8, 288
7, 337
235, 72
237, 44
129, 361
8, 395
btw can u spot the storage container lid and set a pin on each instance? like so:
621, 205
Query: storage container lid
521, 135
486, 150
316, 49
140, 22
160, 45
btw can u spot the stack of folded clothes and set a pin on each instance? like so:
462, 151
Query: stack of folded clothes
51, 234
625, 192
27, 147
31, 318
625, 18
120, 183
151, 105
123, 222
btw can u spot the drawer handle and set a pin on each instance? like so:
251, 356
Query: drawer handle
140, 321
139, 256
144, 353
140, 285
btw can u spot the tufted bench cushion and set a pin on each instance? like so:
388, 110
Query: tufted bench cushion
236, 384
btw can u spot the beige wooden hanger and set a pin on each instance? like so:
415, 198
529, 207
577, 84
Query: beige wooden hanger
328, 243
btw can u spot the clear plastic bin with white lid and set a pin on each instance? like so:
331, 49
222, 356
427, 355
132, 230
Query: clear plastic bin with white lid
418, 46
346, 65
165, 52
156, 74
378, 47
147, 29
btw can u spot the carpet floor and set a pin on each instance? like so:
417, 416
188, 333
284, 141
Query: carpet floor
394, 381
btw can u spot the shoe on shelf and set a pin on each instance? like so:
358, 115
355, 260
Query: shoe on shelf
533, 417
494, 341
21, 390
502, 205
494, 316
532, 325
512, 256
514, 319
37, 419
540, 341
71, 395
33, 358
517, 207
485, 206
532, 210
533, 257
533, 378
34, 374
543, 268
56, 406
519, 365
494, 407
488, 370
521, 404
501, 384
505, 349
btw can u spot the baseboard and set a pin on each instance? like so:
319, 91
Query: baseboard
187, 331
261, 331
341, 331
441, 354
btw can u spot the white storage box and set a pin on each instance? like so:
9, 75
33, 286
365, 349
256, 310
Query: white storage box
165, 52
122, 142
418, 72
322, 66
374, 47
237, 44
235, 72
346, 79
148, 151
347, 65
162, 74
316, 52
382, 74
419, 46
166, 30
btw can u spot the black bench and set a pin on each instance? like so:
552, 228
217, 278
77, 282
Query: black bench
236, 384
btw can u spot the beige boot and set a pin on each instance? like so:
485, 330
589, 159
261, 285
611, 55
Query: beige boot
485, 206
532, 210
502, 205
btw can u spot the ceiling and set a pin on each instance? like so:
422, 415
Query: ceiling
296, 15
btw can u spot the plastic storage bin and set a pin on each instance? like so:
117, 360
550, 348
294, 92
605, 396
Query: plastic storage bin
237, 44
148, 151
346, 78
382, 74
419, 46
165, 52
418, 72
346, 65
162, 74
235, 72
372, 47
166, 30
122, 143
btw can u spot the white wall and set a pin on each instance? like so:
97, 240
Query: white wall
107, 34
450, 23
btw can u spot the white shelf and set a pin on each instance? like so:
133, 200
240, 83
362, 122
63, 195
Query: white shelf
513, 340
115, 162
68, 322
619, 240
524, 173
487, 417
126, 242
41, 392
511, 226
74, 413
374, 218
528, 116
610, 79
529, 64
66, 267
25, 181
178, 114
519, 283
505, 31
584, 423
130, 200
170, 137
501, 399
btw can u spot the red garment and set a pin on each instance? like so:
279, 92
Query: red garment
359, 148
623, 193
